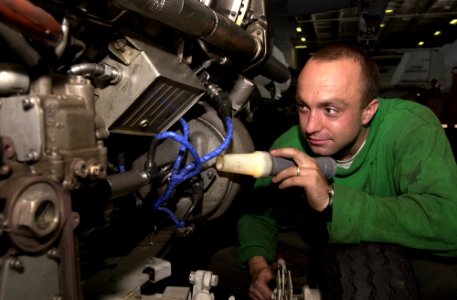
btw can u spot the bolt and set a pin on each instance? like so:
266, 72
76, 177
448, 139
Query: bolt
185, 231
5, 169
28, 103
144, 123
53, 254
138, 202
16, 265
120, 44
54, 152
80, 168
32, 155
8, 148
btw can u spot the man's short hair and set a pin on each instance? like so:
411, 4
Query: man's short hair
369, 69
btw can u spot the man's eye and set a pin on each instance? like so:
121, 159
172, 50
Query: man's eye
302, 107
331, 111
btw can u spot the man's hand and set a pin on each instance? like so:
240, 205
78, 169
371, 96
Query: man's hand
307, 175
262, 276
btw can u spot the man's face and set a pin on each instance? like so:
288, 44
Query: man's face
329, 98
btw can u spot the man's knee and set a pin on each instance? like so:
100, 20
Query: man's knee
436, 280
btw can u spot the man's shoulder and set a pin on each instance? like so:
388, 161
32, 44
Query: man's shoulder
406, 111
400, 103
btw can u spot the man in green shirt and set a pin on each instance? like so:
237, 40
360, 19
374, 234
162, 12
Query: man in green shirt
396, 180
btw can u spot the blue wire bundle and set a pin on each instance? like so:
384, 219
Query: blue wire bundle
190, 170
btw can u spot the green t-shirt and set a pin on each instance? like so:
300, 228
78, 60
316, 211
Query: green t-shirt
401, 188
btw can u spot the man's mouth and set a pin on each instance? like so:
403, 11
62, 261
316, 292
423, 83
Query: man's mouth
316, 141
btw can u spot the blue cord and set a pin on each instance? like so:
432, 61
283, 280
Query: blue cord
190, 170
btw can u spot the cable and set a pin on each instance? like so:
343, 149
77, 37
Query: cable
180, 175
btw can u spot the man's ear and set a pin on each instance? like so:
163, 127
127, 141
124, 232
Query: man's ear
369, 111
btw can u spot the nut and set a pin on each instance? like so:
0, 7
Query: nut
37, 211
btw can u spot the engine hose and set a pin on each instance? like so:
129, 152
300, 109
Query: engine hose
220, 98
96, 71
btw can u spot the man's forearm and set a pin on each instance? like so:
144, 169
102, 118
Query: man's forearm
255, 264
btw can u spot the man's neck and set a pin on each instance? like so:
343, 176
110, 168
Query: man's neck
352, 152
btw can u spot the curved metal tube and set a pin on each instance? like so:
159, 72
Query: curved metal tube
195, 18
96, 70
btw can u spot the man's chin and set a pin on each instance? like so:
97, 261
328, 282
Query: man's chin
321, 151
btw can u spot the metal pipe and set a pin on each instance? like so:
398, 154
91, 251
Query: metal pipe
194, 18
275, 70
240, 93
125, 183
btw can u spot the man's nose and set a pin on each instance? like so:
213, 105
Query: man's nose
313, 123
